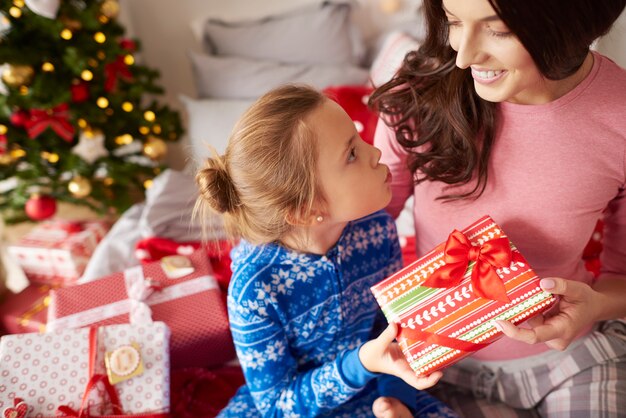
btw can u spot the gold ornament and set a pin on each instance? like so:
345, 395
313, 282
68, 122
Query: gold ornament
79, 187
5, 159
72, 24
16, 12
99, 37
155, 148
66, 34
18, 75
110, 8
86, 75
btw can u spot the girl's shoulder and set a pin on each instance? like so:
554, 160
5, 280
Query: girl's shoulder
256, 265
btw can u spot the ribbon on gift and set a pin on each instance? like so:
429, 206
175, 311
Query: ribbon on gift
139, 291
42, 303
94, 380
459, 252
101, 313
55, 118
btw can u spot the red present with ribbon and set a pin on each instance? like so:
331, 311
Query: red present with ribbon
57, 252
26, 311
68, 373
191, 305
446, 301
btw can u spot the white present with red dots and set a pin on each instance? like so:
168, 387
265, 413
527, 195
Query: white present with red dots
51, 373
56, 252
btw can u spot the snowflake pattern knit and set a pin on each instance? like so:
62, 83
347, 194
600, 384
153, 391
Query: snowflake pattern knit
296, 317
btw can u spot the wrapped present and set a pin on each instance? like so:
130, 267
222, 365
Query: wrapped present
446, 302
57, 252
66, 372
218, 251
26, 311
191, 306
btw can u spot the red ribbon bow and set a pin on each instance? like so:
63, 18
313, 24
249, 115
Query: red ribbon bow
459, 252
113, 70
56, 118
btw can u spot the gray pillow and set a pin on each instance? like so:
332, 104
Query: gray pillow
245, 78
210, 123
320, 33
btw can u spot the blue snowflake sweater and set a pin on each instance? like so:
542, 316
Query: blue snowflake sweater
298, 321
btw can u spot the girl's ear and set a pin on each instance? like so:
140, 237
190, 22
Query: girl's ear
299, 219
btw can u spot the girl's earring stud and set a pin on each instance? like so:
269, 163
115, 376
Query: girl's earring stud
320, 219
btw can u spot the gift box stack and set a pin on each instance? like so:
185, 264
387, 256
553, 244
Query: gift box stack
446, 301
56, 252
101, 353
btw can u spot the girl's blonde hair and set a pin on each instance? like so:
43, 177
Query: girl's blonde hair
267, 175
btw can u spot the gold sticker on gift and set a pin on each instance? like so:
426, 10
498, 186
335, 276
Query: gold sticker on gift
123, 363
176, 266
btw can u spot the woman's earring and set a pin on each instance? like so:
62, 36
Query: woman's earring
320, 219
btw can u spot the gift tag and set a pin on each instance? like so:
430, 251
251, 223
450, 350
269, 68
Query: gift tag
123, 363
176, 266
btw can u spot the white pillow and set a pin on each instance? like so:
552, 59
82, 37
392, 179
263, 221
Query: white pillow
210, 123
390, 57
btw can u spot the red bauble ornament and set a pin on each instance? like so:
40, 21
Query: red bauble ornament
128, 44
80, 92
40, 207
19, 118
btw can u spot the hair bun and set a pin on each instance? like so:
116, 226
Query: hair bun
216, 186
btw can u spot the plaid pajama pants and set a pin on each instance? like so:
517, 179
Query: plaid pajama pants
586, 380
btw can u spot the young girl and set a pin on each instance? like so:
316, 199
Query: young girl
305, 194
504, 111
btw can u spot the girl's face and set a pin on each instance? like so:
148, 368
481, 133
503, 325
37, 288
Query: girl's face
353, 181
501, 67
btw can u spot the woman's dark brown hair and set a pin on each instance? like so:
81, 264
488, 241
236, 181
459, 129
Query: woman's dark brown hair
433, 107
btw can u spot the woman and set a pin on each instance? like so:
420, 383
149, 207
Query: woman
505, 111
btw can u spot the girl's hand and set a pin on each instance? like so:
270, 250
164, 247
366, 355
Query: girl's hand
383, 355
577, 308
388, 407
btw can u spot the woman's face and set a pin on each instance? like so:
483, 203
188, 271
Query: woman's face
501, 67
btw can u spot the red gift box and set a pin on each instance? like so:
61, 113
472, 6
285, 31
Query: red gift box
190, 305
26, 311
446, 301
57, 252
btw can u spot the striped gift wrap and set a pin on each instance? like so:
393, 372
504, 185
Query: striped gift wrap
449, 319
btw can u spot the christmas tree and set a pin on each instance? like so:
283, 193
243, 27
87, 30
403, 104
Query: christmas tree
78, 119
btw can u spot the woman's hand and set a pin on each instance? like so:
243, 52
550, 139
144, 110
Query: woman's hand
383, 355
577, 308
388, 407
